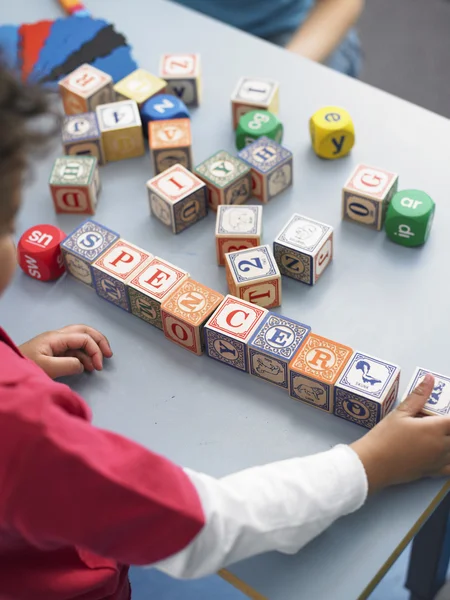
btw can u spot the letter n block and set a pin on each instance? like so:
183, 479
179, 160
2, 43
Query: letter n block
121, 129
183, 75
81, 135
84, 89
75, 184
237, 228
250, 94
170, 144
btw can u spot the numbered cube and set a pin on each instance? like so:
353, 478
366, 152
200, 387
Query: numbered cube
366, 390
315, 369
185, 312
183, 75
237, 228
303, 249
332, 132
163, 107
271, 168
251, 93
439, 400
272, 347
229, 330
75, 184
366, 195
227, 178
81, 135
253, 275
84, 89
121, 129
39, 253
410, 217
170, 144
140, 85
150, 286
177, 198
83, 246
256, 124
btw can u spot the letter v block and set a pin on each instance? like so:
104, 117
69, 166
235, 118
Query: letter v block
75, 184
170, 144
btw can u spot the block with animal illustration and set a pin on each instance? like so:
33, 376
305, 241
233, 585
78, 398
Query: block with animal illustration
366, 390
439, 401
237, 228
81, 135
252, 93
183, 75
85, 88
121, 129
140, 86
75, 184
272, 347
170, 144
303, 249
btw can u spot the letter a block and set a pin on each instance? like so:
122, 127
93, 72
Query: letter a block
75, 184
237, 228
253, 275
315, 369
84, 89
366, 390
39, 253
185, 312
251, 93
439, 401
367, 194
140, 85
332, 132
81, 135
410, 217
170, 144
183, 76
121, 128
229, 330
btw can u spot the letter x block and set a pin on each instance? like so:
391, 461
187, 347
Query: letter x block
170, 144
183, 76
185, 312
140, 86
439, 400
84, 89
75, 184
177, 198
121, 128
81, 135
237, 228
253, 93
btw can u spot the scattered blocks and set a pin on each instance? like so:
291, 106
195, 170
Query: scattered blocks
170, 144
140, 85
303, 249
81, 135
439, 401
253, 275
121, 129
256, 124
183, 76
332, 132
251, 93
39, 253
366, 390
177, 198
84, 89
271, 167
366, 195
237, 228
410, 217
75, 184
227, 178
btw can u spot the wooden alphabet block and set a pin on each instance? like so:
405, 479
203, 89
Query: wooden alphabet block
253, 275
84, 89
237, 228
75, 184
256, 124
314, 371
367, 194
252, 93
177, 198
366, 390
81, 135
163, 107
227, 178
140, 85
183, 75
229, 330
303, 249
121, 129
410, 217
39, 253
170, 144
185, 312
439, 400
271, 167
332, 132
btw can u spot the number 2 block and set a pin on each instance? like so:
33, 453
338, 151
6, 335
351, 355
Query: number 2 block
237, 228
121, 129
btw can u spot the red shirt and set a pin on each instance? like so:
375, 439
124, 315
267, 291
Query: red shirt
78, 503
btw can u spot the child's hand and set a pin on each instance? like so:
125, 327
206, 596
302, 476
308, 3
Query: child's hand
68, 351
404, 446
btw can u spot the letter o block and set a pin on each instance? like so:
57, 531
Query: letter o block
410, 217
39, 253
332, 132
75, 184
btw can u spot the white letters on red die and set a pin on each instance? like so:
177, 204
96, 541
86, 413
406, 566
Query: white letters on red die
39, 252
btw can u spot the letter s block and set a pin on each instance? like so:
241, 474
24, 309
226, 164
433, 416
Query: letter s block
75, 184
332, 132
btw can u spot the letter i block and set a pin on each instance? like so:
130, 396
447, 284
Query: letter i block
303, 249
113, 270
150, 286
314, 371
271, 167
177, 198
229, 330
366, 390
170, 144
273, 346
75, 184
183, 76
81, 135
140, 86
121, 129
83, 246
367, 194
185, 312
439, 400
251, 93
253, 275
227, 178
237, 228
84, 89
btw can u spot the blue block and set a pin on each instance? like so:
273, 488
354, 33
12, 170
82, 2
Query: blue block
163, 107
9, 46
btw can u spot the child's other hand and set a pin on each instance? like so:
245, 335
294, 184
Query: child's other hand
68, 351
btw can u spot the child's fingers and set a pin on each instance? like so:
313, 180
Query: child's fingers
62, 366
418, 397
84, 359
96, 335
64, 342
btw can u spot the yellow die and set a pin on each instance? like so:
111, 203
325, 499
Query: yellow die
332, 132
140, 85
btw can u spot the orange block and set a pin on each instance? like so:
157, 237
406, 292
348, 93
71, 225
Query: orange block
170, 143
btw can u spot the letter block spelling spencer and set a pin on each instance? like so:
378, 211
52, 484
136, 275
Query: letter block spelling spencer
81, 135
39, 253
121, 128
366, 390
251, 93
303, 249
332, 132
271, 167
410, 217
439, 400
84, 89
140, 85
183, 76
75, 184
185, 312
314, 370
170, 144
229, 330
256, 124
366, 195
273, 346
253, 275
237, 228
83, 246
227, 178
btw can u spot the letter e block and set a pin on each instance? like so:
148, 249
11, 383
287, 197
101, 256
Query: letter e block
84, 89
121, 129
183, 75
237, 228
75, 184
251, 93
170, 144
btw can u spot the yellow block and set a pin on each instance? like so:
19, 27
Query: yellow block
140, 85
332, 132
119, 144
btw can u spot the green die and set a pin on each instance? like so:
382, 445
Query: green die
409, 217
255, 124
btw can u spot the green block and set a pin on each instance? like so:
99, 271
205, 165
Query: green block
221, 169
256, 124
409, 217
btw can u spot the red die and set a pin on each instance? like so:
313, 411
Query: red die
39, 254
